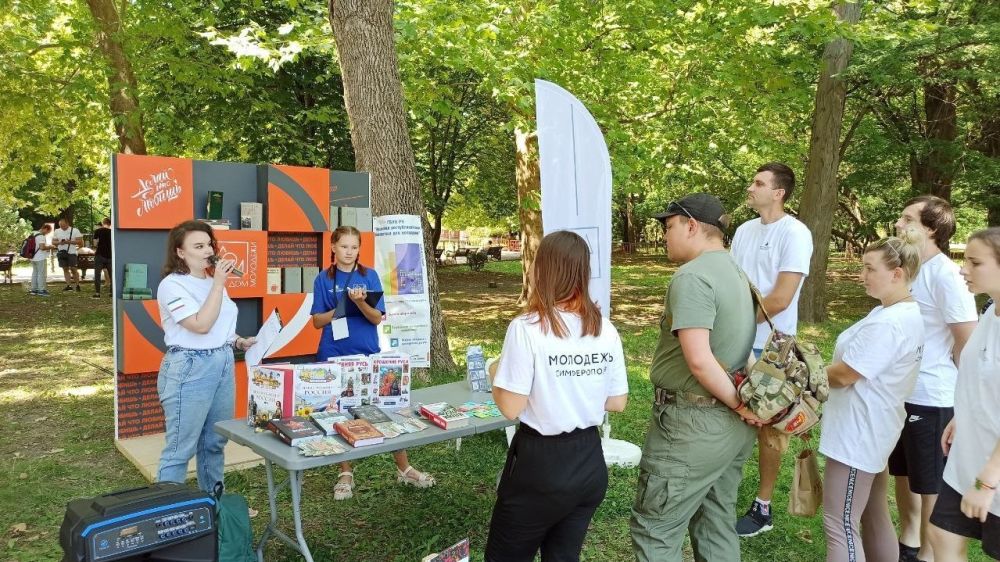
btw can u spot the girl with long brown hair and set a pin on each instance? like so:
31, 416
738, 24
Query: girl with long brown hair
196, 382
561, 368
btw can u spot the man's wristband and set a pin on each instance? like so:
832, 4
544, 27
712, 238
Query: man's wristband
980, 485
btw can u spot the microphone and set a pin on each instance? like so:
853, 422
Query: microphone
215, 259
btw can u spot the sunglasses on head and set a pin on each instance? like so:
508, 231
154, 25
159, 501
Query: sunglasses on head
674, 204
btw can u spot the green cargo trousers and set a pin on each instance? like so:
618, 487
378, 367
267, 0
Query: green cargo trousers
689, 476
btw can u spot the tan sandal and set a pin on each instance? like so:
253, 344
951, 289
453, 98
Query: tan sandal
344, 490
415, 478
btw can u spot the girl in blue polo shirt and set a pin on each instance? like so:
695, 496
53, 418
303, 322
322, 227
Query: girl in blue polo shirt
349, 328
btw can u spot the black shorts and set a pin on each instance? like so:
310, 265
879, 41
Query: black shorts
66, 259
948, 515
918, 454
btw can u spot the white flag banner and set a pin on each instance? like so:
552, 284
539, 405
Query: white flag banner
576, 180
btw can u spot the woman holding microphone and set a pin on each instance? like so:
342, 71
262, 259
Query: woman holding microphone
196, 379
562, 366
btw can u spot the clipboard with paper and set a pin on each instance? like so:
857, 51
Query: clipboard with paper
265, 338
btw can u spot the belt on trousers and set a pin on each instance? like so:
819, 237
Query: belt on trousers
663, 396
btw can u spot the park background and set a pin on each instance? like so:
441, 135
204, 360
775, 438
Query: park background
870, 102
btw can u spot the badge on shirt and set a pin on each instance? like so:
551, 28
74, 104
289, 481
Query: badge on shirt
339, 328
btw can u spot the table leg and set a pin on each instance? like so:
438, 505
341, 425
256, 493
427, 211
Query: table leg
294, 483
272, 500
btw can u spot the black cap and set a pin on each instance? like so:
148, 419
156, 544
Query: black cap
701, 207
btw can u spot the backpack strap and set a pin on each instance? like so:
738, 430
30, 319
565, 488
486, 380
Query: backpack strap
758, 302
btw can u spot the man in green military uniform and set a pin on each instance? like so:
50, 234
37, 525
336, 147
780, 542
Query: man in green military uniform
700, 433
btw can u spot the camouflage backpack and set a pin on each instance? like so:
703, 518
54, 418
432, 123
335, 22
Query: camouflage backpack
787, 384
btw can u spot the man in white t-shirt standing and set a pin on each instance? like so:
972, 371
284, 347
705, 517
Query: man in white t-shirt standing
949, 313
68, 239
38, 274
774, 251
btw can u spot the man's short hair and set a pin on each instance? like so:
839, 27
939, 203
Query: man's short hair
106, 221
938, 216
784, 178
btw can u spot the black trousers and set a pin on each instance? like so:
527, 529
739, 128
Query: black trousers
549, 490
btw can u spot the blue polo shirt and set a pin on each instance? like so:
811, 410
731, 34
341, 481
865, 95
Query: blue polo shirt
363, 335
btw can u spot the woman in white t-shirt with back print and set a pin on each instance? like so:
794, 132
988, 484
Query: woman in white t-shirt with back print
562, 366
874, 369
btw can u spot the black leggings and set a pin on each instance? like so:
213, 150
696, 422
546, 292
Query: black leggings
549, 490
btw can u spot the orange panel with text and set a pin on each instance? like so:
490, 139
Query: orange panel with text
240, 407
298, 199
142, 347
249, 249
153, 192
293, 308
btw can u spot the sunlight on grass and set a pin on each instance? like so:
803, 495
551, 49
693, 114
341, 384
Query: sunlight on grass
17, 395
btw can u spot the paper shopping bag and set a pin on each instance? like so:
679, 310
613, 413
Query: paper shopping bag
807, 488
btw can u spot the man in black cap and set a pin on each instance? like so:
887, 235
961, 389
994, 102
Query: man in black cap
701, 433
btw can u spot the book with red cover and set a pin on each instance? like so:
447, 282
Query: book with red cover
359, 433
444, 415
295, 430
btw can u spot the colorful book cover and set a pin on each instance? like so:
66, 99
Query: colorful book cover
370, 413
409, 269
317, 387
390, 386
475, 364
355, 381
327, 419
274, 280
359, 433
444, 415
269, 391
458, 552
295, 430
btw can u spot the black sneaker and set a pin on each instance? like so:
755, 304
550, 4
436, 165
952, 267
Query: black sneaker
95, 296
755, 521
78, 288
908, 553
67, 288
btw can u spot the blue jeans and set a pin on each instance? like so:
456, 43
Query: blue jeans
197, 389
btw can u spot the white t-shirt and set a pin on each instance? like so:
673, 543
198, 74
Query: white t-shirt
567, 380
862, 422
977, 425
944, 299
180, 296
765, 250
40, 242
71, 233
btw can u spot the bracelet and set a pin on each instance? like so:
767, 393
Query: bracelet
980, 485
739, 406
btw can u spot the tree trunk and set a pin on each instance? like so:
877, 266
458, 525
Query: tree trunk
436, 228
529, 195
122, 86
373, 95
819, 197
932, 172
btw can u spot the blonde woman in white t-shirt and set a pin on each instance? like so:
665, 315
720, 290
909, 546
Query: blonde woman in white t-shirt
968, 505
196, 382
874, 368
561, 368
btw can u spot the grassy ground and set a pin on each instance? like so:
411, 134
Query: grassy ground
56, 405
